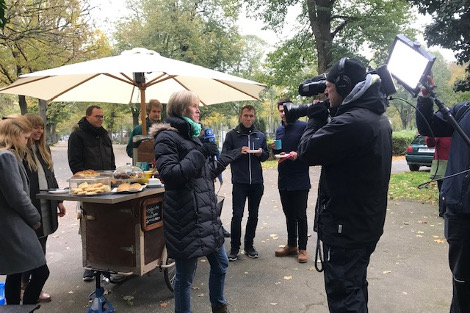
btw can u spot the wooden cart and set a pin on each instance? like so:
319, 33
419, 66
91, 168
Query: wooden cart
123, 233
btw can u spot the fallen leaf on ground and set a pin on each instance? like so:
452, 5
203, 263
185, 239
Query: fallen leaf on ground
200, 295
288, 277
386, 272
273, 303
163, 304
440, 240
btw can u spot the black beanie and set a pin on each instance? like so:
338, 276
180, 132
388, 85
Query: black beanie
353, 69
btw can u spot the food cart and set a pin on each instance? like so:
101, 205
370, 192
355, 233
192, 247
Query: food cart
121, 233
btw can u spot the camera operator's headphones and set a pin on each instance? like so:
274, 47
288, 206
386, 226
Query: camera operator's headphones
343, 82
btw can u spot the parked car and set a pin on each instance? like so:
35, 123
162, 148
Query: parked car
419, 154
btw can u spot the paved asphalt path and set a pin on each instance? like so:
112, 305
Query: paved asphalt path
408, 271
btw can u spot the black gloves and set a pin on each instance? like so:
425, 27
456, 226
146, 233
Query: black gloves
208, 149
318, 110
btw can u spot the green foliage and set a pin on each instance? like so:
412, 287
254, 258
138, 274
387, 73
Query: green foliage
339, 28
201, 32
401, 140
449, 29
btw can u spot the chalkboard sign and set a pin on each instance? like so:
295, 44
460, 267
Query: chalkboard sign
152, 213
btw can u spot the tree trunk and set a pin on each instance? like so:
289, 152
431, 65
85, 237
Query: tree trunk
23, 105
319, 12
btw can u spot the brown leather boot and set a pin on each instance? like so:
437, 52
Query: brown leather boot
287, 250
221, 308
302, 257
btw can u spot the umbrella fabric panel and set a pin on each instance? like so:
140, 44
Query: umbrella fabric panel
110, 79
103, 88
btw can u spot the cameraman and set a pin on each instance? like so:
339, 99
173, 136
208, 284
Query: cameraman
354, 149
455, 193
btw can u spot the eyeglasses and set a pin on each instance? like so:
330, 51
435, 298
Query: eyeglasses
100, 117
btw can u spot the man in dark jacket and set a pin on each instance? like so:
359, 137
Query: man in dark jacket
293, 184
354, 149
455, 193
247, 179
90, 147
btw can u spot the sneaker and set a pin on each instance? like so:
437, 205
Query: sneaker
302, 257
88, 275
251, 252
286, 250
117, 278
234, 253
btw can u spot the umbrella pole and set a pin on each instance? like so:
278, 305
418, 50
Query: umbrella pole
142, 111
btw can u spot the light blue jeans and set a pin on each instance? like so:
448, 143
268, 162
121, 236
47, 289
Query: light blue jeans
185, 271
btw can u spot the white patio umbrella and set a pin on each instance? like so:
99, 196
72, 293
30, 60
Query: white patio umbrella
131, 77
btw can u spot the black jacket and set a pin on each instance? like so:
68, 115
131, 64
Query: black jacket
355, 151
34, 190
247, 168
455, 190
90, 148
192, 225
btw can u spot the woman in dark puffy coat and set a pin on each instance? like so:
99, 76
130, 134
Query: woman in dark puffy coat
192, 225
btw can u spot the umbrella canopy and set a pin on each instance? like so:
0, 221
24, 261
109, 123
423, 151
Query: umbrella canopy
131, 77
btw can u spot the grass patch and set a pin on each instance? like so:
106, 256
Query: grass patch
404, 186
269, 164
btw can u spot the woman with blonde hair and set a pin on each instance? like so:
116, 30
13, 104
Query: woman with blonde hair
39, 168
19, 219
192, 225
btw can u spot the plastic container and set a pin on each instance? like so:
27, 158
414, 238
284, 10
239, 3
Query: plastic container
2, 293
90, 186
128, 174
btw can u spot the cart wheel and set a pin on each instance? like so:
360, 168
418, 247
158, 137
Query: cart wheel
169, 274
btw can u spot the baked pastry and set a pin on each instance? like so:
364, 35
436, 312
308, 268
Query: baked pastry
123, 187
135, 187
87, 173
86, 189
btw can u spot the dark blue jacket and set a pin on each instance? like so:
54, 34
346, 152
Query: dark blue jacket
293, 175
247, 168
455, 190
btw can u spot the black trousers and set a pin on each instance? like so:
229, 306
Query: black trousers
31, 294
26, 276
345, 273
457, 232
240, 193
294, 205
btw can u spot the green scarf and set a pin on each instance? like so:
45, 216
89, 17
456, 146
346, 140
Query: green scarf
195, 127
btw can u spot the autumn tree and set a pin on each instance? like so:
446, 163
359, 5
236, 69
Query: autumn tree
449, 28
339, 27
199, 32
42, 34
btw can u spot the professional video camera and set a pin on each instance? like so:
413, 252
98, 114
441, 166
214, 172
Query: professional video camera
313, 86
317, 85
